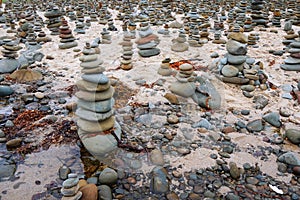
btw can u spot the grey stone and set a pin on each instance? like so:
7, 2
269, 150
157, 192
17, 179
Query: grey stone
157, 157
203, 123
96, 78
273, 118
289, 158
255, 126
5, 90
104, 192
8, 65
63, 172
248, 88
97, 106
235, 60
229, 71
108, 176
71, 181
293, 135
149, 52
236, 48
231, 196
260, 101
159, 180
290, 67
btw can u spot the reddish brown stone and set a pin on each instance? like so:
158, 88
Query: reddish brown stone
147, 39
228, 129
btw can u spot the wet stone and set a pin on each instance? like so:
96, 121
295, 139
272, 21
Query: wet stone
255, 126
293, 135
108, 176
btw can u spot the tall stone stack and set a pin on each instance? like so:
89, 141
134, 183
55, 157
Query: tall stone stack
67, 39
106, 36
179, 43
292, 62
70, 188
126, 62
54, 21
258, 12
95, 106
147, 42
276, 18
9, 52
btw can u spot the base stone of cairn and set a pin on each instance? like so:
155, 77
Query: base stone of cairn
98, 129
67, 40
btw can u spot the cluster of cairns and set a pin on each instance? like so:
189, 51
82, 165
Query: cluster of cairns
95, 105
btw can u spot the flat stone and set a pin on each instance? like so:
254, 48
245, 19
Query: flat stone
290, 158
95, 96
98, 106
149, 52
91, 64
147, 39
96, 78
96, 126
183, 89
8, 65
240, 37
180, 47
292, 61
288, 67
248, 88
234, 80
92, 116
5, 90
149, 45
92, 87
88, 58
67, 45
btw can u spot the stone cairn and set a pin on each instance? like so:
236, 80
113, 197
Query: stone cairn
276, 18
106, 36
70, 188
147, 42
126, 62
9, 52
95, 106
185, 85
67, 39
217, 38
179, 43
258, 12
54, 21
292, 62
253, 38
165, 69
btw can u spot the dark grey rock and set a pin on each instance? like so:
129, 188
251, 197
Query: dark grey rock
293, 135
5, 90
160, 180
104, 192
273, 118
108, 176
255, 126
63, 172
149, 52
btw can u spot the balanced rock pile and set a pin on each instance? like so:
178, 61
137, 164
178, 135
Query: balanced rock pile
179, 43
165, 69
185, 85
147, 42
95, 102
67, 39
70, 189
54, 20
292, 63
127, 52
9, 52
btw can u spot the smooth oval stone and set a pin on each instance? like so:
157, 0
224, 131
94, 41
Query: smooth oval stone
236, 48
229, 71
149, 52
292, 61
290, 158
93, 87
98, 106
250, 61
273, 118
96, 126
69, 192
295, 45
145, 33
234, 80
92, 116
293, 135
180, 47
96, 78
91, 64
89, 192
240, 37
236, 60
248, 88
288, 67
70, 182
8, 65
108, 176
105, 192
5, 90
88, 58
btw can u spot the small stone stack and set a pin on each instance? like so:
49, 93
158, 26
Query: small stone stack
10, 49
217, 38
248, 27
42, 38
204, 36
165, 69
54, 20
258, 12
70, 188
276, 18
253, 38
80, 27
185, 85
126, 62
106, 37
147, 42
292, 62
67, 39
111, 26
95, 106
179, 43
